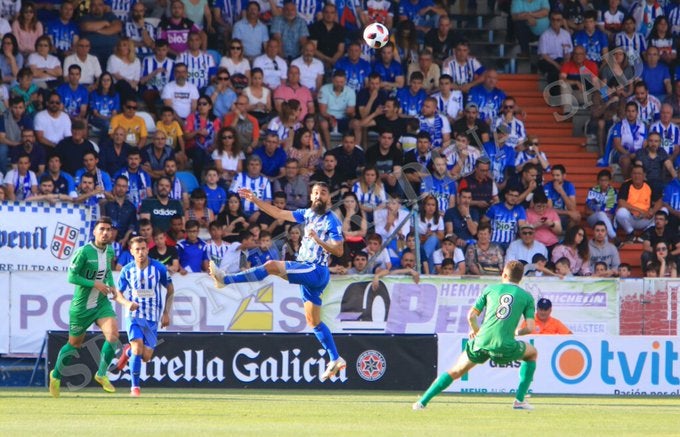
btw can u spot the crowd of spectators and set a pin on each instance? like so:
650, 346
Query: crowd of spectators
155, 114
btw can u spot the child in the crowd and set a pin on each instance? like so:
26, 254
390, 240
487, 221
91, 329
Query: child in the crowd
563, 267
382, 260
359, 262
652, 269
408, 141
600, 269
215, 194
448, 267
625, 271
191, 250
166, 255
265, 252
174, 133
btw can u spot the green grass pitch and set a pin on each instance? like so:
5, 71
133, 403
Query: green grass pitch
170, 412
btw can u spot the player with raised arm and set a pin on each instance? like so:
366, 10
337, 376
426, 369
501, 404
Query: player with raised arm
90, 272
505, 304
323, 237
141, 281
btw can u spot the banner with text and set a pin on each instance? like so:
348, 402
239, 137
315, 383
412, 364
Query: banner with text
37, 236
378, 362
40, 302
607, 365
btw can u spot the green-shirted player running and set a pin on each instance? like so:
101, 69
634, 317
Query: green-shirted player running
505, 304
90, 272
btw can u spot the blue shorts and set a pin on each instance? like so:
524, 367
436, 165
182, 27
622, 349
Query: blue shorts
312, 277
142, 329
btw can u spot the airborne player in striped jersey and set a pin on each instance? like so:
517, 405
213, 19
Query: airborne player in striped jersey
141, 281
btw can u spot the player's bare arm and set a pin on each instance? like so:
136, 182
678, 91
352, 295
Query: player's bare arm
128, 304
473, 315
333, 247
528, 329
266, 207
169, 296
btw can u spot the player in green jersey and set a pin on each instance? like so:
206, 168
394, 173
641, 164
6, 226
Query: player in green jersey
505, 304
90, 272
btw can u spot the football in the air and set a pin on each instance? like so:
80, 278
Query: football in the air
376, 35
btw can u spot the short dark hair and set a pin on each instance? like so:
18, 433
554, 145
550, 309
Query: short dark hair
103, 220
191, 224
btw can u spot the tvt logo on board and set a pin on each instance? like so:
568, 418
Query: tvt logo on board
64, 241
371, 365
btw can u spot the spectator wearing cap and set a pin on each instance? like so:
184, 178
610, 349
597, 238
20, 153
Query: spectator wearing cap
221, 94
449, 250
545, 323
525, 247
470, 125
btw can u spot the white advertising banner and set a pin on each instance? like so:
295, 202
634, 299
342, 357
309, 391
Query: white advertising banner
40, 302
36, 236
606, 365
5, 312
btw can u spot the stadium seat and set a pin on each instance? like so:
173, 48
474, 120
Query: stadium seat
148, 119
188, 180
153, 21
216, 56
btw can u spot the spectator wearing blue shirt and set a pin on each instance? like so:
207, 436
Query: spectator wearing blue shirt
656, 75
291, 30
273, 156
562, 195
502, 158
104, 103
506, 219
63, 182
356, 69
251, 31
63, 31
140, 181
440, 184
487, 96
266, 252
390, 71
422, 13
337, 102
191, 250
101, 178
73, 95
593, 40
412, 97
221, 94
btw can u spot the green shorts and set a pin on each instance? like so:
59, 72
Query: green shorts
80, 321
505, 354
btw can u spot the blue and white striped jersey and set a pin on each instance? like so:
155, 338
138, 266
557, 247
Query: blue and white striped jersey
462, 73
670, 135
120, 8
505, 222
230, 10
216, 252
150, 64
370, 197
135, 34
650, 111
143, 286
198, 66
326, 226
259, 185
436, 126
633, 45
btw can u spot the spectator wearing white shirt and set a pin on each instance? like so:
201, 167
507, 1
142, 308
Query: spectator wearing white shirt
90, 69
554, 47
525, 247
274, 67
449, 251
125, 67
235, 62
179, 94
311, 68
52, 124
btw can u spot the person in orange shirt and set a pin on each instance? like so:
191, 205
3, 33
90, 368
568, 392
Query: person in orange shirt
545, 323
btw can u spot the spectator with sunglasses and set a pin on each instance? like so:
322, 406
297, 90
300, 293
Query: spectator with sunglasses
134, 125
234, 61
221, 93
52, 124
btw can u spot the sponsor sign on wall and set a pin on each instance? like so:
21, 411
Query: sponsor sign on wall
36, 236
381, 362
40, 302
607, 365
